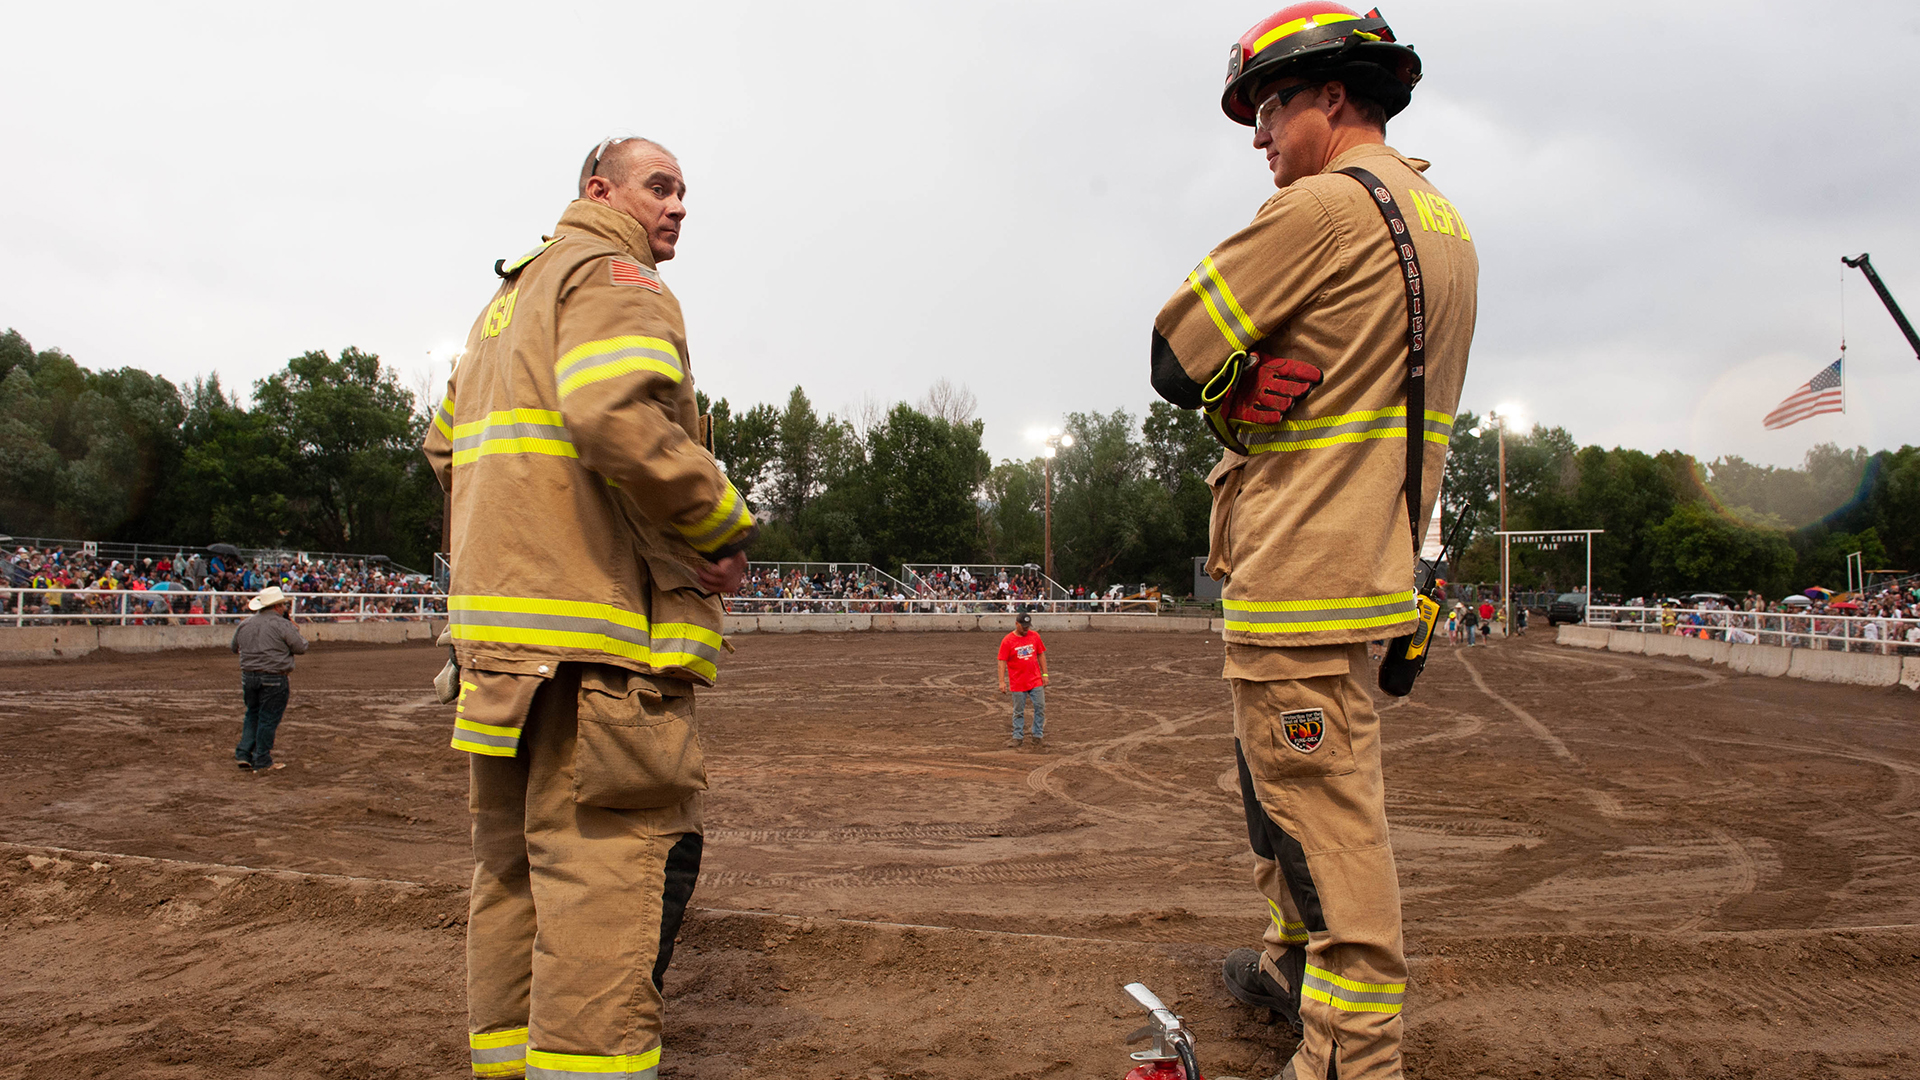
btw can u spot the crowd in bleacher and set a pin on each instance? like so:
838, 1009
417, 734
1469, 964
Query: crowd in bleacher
776, 589
1885, 619
190, 587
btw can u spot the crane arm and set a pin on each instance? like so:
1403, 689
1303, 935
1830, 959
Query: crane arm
1886, 298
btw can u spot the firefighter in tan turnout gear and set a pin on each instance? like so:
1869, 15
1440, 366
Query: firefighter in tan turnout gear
591, 534
1298, 336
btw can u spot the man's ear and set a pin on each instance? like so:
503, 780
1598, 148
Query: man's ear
599, 188
1336, 96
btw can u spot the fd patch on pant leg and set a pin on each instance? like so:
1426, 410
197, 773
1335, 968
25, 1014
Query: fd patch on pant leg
1304, 729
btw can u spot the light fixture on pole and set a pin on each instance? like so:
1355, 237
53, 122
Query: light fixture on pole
1052, 441
1501, 416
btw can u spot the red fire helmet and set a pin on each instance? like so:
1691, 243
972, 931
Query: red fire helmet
1317, 39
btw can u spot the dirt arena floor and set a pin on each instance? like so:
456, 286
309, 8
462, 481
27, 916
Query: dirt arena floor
1613, 866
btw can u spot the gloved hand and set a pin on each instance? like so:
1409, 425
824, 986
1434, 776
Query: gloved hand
1267, 387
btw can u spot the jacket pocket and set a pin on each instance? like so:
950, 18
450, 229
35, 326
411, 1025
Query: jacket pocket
636, 748
685, 622
1225, 482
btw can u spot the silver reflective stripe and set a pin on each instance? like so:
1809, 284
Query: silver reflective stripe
631, 352
1332, 430
1324, 986
687, 645
500, 1055
567, 624
1203, 280
1396, 607
511, 431
468, 735
714, 537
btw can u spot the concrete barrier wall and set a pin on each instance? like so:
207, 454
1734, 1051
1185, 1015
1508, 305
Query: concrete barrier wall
65, 642
1774, 661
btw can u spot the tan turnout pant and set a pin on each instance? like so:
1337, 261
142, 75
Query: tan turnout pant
1308, 749
574, 909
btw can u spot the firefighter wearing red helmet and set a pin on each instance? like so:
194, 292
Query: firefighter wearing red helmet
1327, 342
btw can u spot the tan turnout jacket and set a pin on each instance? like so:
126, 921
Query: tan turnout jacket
1310, 531
583, 502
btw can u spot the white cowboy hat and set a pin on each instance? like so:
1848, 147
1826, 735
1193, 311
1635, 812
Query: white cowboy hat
268, 597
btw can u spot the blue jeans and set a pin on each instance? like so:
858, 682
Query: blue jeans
266, 696
1038, 697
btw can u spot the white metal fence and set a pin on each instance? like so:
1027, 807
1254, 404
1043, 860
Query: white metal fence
801, 605
1835, 633
174, 607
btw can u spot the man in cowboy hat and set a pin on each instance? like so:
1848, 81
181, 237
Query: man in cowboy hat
267, 644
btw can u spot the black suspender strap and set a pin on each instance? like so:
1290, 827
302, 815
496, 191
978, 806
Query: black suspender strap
1416, 344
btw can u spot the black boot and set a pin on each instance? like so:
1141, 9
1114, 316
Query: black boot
1246, 982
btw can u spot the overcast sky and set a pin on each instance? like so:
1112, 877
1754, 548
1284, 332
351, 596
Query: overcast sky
1001, 194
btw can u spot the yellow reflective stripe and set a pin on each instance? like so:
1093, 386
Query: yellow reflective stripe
1233, 302
1290, 932
1308, 616
443, 417
590, 1064
1345, 1005
577, 624
1388, 423
489, 1040
687, 630
478, 728
728, 520
1298, 25
498, 1053
1222, 307
624, 355
547, 447
512, 431
509, 416
1357, 987
530, 605
481, 748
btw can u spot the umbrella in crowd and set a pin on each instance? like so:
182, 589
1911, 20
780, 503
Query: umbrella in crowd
1796, 602
1818, 593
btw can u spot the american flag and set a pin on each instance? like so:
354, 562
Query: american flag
628, 272
1822, 394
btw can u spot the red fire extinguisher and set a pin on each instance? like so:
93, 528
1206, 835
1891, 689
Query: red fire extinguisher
1171, 1056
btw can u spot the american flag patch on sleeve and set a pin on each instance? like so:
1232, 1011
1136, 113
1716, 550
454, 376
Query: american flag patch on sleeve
628, 272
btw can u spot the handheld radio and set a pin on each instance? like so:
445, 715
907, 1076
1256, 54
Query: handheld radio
1407, 655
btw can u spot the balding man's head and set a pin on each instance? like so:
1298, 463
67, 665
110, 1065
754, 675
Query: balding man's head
615, 158
640, 178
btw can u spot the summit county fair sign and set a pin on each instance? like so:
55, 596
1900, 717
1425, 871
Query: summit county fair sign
1543, 541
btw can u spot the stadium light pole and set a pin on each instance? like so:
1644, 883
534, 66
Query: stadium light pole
1052, 441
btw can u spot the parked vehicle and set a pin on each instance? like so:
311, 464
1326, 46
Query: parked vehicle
1569, 608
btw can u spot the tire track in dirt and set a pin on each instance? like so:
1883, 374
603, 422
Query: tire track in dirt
1527, 719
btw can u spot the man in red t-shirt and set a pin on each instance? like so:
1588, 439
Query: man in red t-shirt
1023, 672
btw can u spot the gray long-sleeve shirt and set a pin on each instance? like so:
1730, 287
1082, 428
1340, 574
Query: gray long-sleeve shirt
268, 642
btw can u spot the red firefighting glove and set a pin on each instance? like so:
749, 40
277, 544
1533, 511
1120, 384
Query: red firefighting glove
1267, 387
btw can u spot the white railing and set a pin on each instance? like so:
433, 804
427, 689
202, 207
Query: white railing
929, 605
128, 607
1835, 633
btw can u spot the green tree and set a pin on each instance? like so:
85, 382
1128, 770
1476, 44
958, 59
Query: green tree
1698, 549
746, 444
1015, 522
922, 477
797, 452
359, 481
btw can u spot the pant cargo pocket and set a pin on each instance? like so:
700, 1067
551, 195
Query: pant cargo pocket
636, 748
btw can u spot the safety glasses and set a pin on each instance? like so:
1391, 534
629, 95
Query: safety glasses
1270, 108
